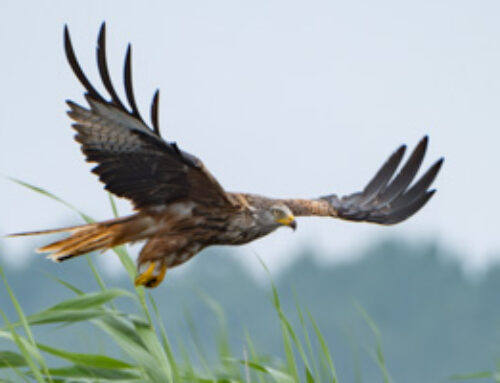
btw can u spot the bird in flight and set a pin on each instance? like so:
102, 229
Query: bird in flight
180, 208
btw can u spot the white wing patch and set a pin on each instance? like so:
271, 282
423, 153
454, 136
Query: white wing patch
182, 209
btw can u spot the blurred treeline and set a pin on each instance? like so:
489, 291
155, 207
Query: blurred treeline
435, 321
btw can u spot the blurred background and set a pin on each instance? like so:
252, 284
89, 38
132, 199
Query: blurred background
285, 99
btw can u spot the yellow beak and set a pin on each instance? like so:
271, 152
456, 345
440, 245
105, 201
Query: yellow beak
288, 221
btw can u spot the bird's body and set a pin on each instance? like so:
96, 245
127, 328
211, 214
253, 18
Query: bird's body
180, 207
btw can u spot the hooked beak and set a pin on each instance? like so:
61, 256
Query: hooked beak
288, 221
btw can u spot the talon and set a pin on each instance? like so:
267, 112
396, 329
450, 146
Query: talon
144, 277
148, 278
157, 279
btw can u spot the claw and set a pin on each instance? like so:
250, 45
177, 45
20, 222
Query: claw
149, 278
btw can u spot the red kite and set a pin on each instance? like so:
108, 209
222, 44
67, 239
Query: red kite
180, 207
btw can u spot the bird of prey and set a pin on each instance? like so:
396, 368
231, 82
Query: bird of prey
180, 208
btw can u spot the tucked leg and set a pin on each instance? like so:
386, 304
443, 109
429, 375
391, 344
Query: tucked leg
153, 274
155, 257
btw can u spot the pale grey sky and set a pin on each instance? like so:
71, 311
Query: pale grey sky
283, 98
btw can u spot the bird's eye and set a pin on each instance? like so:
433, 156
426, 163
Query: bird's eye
276, 213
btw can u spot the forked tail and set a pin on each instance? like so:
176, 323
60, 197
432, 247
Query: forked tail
92, 237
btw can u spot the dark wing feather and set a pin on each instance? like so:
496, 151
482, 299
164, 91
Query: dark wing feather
388, 199
133, 160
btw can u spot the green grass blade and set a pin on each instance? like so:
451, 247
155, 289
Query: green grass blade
95, 273
277, 375
120, 250
166, 344
358, 374
23, 321
307, 338
378, 342
253, 353
65, 316
309, 377
17, 306
77, 309
247, 370
102, 374
186, 359
198, 347
122, 331
285, 334
290, 358
114, 209
26, 348
131, 271
150, 340
9, 359
295, 340
91, 300
44, 192
21, 374
89, 360
324, 348
126, 261
477, 375
124, 334
197, 379
222, 334
68, 285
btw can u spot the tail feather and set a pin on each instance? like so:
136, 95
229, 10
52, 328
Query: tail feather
50, 231
95, 236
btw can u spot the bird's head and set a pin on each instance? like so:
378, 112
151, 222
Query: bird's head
278, 215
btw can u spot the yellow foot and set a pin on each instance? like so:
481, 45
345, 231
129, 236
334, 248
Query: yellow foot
153, 275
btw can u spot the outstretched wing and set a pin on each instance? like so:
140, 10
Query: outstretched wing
133, 160
387, 199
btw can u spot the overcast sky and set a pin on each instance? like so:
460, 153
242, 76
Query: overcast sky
282, 98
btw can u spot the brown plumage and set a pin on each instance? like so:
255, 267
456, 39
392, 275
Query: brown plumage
180, 207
